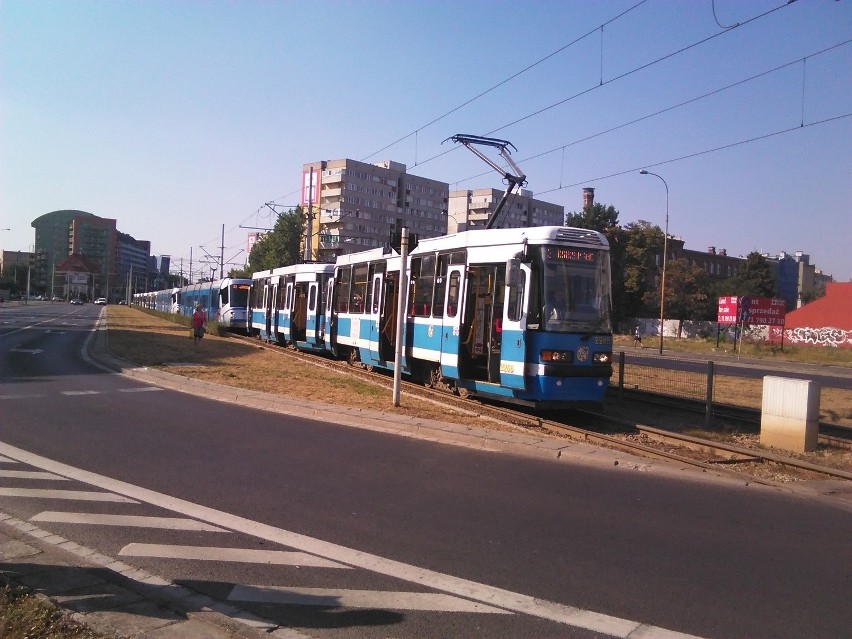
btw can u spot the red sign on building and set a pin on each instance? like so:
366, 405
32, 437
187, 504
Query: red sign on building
752, 311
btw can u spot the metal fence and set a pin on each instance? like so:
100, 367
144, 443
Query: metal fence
696, 386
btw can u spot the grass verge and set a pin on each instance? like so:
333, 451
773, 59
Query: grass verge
26, 615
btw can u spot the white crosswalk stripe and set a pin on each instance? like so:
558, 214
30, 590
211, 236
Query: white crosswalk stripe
77, 495
343, 598
6, 460
83, 393
131, 521
30, 474
242, 555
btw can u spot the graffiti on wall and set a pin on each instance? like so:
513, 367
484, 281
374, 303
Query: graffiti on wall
824, 336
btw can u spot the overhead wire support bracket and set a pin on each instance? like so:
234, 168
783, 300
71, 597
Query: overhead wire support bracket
513, 180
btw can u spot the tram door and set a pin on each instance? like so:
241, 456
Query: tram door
299, 312
313, 314
382, 302
481, 334
451, 331
330, 332
284, 316
373, 310
268, 297
513, 327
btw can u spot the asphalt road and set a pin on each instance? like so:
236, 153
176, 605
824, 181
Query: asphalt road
376, 535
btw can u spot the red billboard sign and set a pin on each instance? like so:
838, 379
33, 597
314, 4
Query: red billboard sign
729, 310
752, 311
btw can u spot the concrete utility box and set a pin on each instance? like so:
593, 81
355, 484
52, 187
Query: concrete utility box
790, 414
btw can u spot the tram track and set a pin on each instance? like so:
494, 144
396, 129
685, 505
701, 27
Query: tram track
830, 434
626, 435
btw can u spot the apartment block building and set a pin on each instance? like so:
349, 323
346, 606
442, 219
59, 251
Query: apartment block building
108, 254
472, 208
354, 206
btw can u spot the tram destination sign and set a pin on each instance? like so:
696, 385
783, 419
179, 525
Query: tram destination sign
752, 311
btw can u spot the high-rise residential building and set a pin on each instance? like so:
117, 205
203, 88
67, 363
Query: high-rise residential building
131, 265
354, 206
471, 209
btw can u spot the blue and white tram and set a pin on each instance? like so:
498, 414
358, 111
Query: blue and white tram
288, 305
361, 308
224, 301
517, 314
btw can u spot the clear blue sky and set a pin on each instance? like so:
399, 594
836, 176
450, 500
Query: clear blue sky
178, 117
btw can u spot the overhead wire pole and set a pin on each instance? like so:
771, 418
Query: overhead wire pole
401, 303
513, 181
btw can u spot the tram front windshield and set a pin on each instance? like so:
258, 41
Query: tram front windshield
575, 290
240, 295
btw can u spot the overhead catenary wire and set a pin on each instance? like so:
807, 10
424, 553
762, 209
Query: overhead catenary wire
672, 107
612, 80
602, 83
504, 81
696, 154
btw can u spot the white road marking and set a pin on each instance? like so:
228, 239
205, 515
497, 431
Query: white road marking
77, 495
28, 351
86, 392
144, 389
6, 460
31, 396
134, 521
242, 555
516, 602
343, 598
29, 474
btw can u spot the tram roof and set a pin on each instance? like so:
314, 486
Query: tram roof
515, 236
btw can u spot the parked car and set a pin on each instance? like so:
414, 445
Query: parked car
101, 301
77, 302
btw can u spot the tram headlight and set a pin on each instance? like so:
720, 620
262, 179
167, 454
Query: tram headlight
602, 358
557, 356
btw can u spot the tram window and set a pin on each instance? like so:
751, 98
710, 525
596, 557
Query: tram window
516, 297
377, 294
312, 298
440, 286
223, 294
453, 294
359, 288
282, 299
459, 257
342, 289
425, 269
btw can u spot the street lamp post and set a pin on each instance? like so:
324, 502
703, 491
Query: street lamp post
665, 255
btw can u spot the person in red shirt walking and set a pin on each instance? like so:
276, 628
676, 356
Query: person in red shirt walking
199, 318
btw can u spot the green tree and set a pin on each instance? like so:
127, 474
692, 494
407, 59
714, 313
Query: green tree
754, 278
282, 245
636, 250
689, 295
244, 271
597, 217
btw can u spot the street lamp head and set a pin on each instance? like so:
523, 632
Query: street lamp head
643, 172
